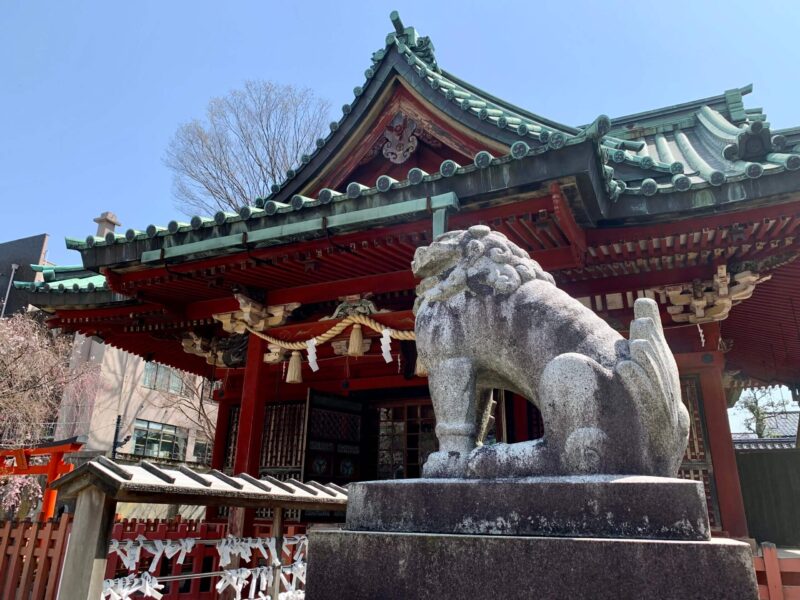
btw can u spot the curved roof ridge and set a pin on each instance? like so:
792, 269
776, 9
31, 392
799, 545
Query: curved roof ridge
513, 107
730, 99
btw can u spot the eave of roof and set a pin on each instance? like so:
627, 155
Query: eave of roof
278, 223
87, 283
149, 483
775, 443
84, 289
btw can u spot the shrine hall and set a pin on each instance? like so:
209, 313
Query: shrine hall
299, 305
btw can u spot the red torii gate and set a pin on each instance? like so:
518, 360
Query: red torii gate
54, 468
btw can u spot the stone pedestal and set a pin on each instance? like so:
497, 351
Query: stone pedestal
556, 537
599, 506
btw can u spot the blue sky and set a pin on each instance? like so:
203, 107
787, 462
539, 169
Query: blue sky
91, 92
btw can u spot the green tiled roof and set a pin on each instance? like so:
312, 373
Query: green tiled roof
691, 146
418, 52
52, 273
680, 148
69, 287
87, 283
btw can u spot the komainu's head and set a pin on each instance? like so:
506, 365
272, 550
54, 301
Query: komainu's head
475, 258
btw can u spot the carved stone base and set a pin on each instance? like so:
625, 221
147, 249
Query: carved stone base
609, 506
414, 566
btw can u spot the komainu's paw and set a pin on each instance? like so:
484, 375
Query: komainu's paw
522, 459
586, 451
482, 462
445, 464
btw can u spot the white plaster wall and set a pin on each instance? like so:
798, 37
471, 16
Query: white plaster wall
119, 391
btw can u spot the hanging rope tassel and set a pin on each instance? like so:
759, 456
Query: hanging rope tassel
356, 345
295, 371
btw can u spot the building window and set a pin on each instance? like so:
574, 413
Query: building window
202, 451
159, 440
162, 378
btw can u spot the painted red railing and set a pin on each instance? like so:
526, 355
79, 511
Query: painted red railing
778, 573
31, 556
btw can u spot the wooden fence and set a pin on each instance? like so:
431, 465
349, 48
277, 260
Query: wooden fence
778, 573
31, 555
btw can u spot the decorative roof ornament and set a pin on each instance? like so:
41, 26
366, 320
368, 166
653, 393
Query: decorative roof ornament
422, 46
359, 304
706, 301
400, 139
254, 315
229, 351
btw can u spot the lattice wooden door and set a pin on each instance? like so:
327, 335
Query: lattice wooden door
697, 463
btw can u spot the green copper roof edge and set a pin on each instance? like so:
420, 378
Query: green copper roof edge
84, 284
74, 243
512, 107
472, 95
56, 268
366, 191
422, 205
693, 104
699, 183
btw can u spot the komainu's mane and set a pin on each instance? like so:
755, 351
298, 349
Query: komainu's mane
475, 257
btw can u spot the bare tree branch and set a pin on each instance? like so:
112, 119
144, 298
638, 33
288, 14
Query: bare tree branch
250, 138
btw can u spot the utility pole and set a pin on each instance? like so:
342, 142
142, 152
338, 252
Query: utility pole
116, 443
14, 268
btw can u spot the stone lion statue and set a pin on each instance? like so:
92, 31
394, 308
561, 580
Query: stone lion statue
488, 317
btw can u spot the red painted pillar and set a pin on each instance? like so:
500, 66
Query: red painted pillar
251, 427
49, 496
251, 413
723, 456
708, 366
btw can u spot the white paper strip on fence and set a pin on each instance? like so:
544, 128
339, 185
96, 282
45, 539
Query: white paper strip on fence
125, 587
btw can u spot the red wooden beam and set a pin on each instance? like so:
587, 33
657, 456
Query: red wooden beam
566, 220
319, 292
42, 450
108, 313
420, 227
638, 281
610, 236
464, 219
709, 366
370, 383
251, 418
556, 259
205, 308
